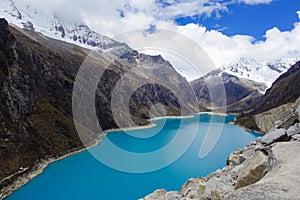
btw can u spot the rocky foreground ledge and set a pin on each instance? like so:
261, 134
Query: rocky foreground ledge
266, 169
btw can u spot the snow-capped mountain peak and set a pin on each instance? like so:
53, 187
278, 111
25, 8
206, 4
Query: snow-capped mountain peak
260, 71
51, 25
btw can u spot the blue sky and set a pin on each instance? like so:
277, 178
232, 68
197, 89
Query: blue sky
252, 20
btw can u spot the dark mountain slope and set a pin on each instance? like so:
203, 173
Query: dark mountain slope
225, 89
36, 80
286, 89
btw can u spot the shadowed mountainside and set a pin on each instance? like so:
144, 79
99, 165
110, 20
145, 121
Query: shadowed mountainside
218, 88
36, 79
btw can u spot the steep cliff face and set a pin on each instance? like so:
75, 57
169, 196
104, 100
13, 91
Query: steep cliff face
282, 116
35, 116
281, 96
36, 78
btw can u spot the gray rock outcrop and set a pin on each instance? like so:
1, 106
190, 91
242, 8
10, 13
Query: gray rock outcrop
253, 170
274, 118
296, 137
293, 130
257, 172
282, 182
273, 136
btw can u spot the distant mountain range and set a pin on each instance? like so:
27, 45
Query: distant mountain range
220, 89
51, 25
260, 71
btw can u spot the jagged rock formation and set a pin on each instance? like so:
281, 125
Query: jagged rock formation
238, 92
52, 25
281, 182
36, 78
279, 116
277, 105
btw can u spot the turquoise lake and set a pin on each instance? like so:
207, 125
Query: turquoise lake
82, 176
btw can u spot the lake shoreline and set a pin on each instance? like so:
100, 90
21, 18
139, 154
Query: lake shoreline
29, 173
128, 128
147, 125
247, 129
38, 168
216, 113
40, 165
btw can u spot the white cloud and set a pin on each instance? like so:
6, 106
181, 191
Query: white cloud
255, 2
278, 44
104, 16
191, 8
222, 49
142, 5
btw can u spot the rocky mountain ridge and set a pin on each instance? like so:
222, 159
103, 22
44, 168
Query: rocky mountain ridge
37, 75
53, 26
220, 89
277, 105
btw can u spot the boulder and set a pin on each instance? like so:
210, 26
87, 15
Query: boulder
277, 123
258, 139
281, 182
235, 159
193, 188
158, 194
214, 174
259, 147
253, 169
274, 136
293, 130
296, 137
217, 187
